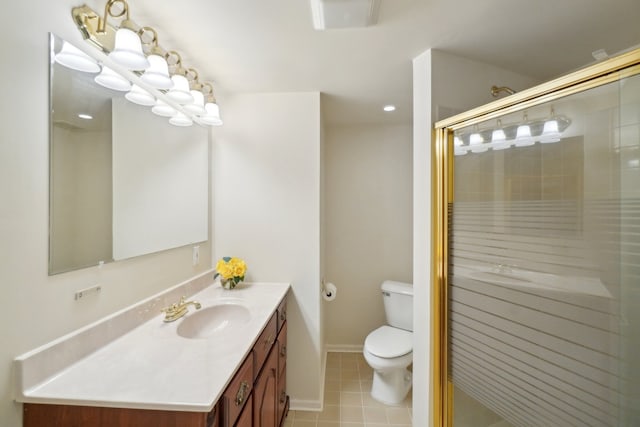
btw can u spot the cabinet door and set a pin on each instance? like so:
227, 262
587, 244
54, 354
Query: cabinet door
282, 397
246, 418
265, 394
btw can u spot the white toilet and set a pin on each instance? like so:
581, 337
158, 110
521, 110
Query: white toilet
389, 349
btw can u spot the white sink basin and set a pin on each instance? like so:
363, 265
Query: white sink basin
213, 320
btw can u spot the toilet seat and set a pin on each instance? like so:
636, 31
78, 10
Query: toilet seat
389, 342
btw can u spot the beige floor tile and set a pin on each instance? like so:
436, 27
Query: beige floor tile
288, 422
333, 371
328, 423
375, 415
367, 400
304, 423
332, 385
349, 374
350, 364
351, 399
365, 386
330, 413
352, 425
399, 425
398, 415
376, 425
306, 415
331, 397
351, 414
353, 385
350, 356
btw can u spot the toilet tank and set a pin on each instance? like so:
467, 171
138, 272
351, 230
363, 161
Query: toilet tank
398, 304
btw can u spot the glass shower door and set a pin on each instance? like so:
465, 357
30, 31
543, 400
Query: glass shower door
544, 264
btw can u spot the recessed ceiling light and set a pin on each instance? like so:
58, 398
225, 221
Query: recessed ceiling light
389, 107
85, 116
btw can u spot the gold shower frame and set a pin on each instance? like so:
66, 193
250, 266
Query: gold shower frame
599, 74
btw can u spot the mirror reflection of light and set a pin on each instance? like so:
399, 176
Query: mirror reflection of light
85, 116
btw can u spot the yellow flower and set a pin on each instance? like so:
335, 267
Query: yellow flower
231, 268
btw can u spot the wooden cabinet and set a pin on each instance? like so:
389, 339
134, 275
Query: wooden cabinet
283, 399
265, 398
238, 393
255, 397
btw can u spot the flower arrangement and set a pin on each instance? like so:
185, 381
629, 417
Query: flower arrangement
231, 270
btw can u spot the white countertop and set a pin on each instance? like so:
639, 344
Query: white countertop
152, 367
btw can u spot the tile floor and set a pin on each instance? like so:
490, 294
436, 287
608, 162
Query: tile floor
347, 399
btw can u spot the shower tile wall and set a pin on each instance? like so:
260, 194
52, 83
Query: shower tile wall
539, 172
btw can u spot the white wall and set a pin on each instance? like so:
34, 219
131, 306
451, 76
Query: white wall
368, 225
267, 191
442, 83
37, 308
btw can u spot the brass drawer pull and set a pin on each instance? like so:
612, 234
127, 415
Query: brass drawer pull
283, 351
240, 396
270, 340
283, 315
283, 397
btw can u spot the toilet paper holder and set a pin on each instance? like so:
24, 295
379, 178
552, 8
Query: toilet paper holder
327, 289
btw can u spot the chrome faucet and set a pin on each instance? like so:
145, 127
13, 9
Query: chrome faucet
179, 309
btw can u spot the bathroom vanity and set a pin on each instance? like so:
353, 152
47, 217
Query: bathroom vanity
221, 365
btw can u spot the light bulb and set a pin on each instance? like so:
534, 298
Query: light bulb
550, 132
128, 50
180, 91
197, 106
212, 117
475, 139
112, 80
72, 57
139, 96
523, 136
157, 75
163, 109
179, 119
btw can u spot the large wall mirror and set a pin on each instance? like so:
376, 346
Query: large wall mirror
123, 181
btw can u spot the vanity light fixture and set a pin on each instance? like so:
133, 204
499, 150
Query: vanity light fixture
523, 134
180, 91
112, 80
72, 57
139, 96
157, 75
163, 109
212, 115
180, 119
498, 134
475, 138
127, 50
551, 130
520, 134
160, 77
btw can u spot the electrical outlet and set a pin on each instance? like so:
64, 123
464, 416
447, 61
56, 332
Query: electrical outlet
196, 255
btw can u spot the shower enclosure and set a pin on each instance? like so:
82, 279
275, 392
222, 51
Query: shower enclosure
536, 287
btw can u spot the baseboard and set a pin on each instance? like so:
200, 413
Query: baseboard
305, 405
344, 348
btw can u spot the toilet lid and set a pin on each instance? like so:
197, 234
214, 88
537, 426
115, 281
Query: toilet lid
388, 342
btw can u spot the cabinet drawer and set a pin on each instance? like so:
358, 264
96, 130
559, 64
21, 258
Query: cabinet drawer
264, 343
282, 349
238, 392
282, 313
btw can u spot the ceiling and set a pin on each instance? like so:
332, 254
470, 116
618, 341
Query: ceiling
271, 46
